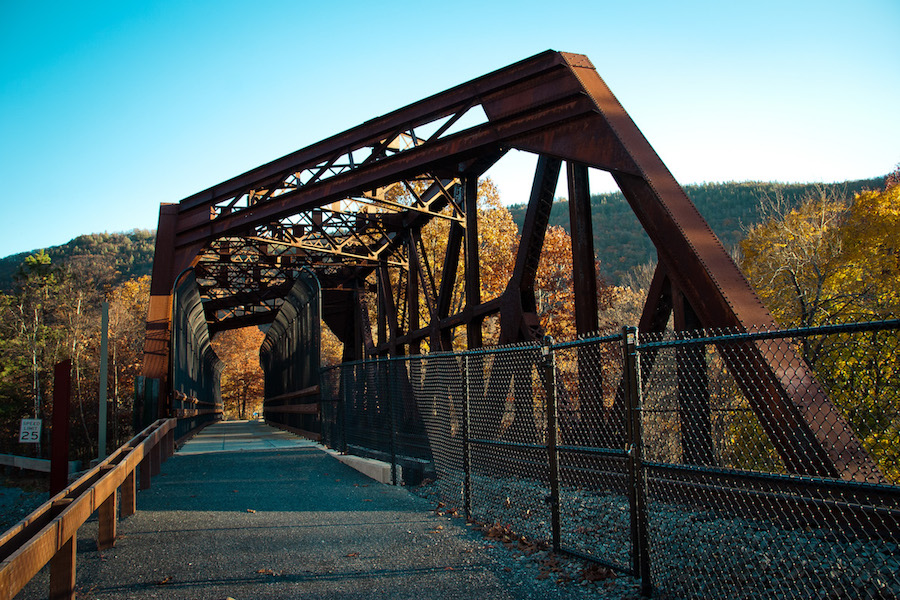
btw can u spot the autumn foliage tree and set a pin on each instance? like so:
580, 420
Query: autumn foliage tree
54, 314
128, 305
833, 260
242, 378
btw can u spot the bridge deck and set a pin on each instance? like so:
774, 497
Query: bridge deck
246, 511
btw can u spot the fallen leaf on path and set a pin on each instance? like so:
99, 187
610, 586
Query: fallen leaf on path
597, 573
353, 555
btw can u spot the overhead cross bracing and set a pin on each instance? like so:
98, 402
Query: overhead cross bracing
245, 277
327, 207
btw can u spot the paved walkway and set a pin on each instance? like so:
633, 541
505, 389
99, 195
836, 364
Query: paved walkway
245, 511
239, 436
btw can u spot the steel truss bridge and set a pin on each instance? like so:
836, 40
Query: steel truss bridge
327, 210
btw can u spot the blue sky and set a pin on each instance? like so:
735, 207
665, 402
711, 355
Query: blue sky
108, 109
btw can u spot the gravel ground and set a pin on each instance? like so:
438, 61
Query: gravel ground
695, 553
16, 503
299, 524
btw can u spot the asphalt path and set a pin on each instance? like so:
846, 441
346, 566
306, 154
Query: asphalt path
244, 511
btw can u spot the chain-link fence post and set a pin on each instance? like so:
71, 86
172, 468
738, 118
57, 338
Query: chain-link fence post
549, 360
340, 426
637, 491
466, 456
349, 392
392, 420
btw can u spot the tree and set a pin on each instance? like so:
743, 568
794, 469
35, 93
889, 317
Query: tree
834, 260
37, 284
128, 305
83, 281
55, 314
793, 259
242, 378
15, 377
828, 260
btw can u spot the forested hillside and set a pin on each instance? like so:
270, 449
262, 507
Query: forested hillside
730, 208
619, 241
129, 255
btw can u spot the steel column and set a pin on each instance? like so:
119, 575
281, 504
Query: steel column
693, 389
584, 271
473, 265
518, 314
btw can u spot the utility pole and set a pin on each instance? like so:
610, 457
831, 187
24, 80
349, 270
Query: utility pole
104, 361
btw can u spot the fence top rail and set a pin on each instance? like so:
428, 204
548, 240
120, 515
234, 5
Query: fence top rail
883, 490
773, 334
512, 348
591, 339
689, 339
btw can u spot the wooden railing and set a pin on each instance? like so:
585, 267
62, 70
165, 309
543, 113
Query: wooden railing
301, 402
48, 535
185, 406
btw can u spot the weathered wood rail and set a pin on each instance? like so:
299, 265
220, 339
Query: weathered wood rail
189, 406
300, 402
48, 535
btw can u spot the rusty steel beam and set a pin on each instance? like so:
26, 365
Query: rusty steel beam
583, 260
473, 263
518, 317
557, 106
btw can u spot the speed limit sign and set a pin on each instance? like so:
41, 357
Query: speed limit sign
30, 431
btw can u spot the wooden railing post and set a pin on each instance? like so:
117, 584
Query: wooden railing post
129, 496
155, 461
170, 444
59, 444
106, 537
62, 570
144, 468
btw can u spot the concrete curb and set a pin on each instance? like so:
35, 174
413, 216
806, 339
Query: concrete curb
378, 470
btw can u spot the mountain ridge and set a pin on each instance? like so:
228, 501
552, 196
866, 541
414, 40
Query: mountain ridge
730, 208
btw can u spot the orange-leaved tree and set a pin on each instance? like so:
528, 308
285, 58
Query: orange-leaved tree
242, 377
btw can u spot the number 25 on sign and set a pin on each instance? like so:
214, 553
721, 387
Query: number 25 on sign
30, 431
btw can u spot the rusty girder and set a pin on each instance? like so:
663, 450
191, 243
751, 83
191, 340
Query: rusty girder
326, 206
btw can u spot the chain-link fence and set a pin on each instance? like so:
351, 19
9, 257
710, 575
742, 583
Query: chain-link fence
760, 465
